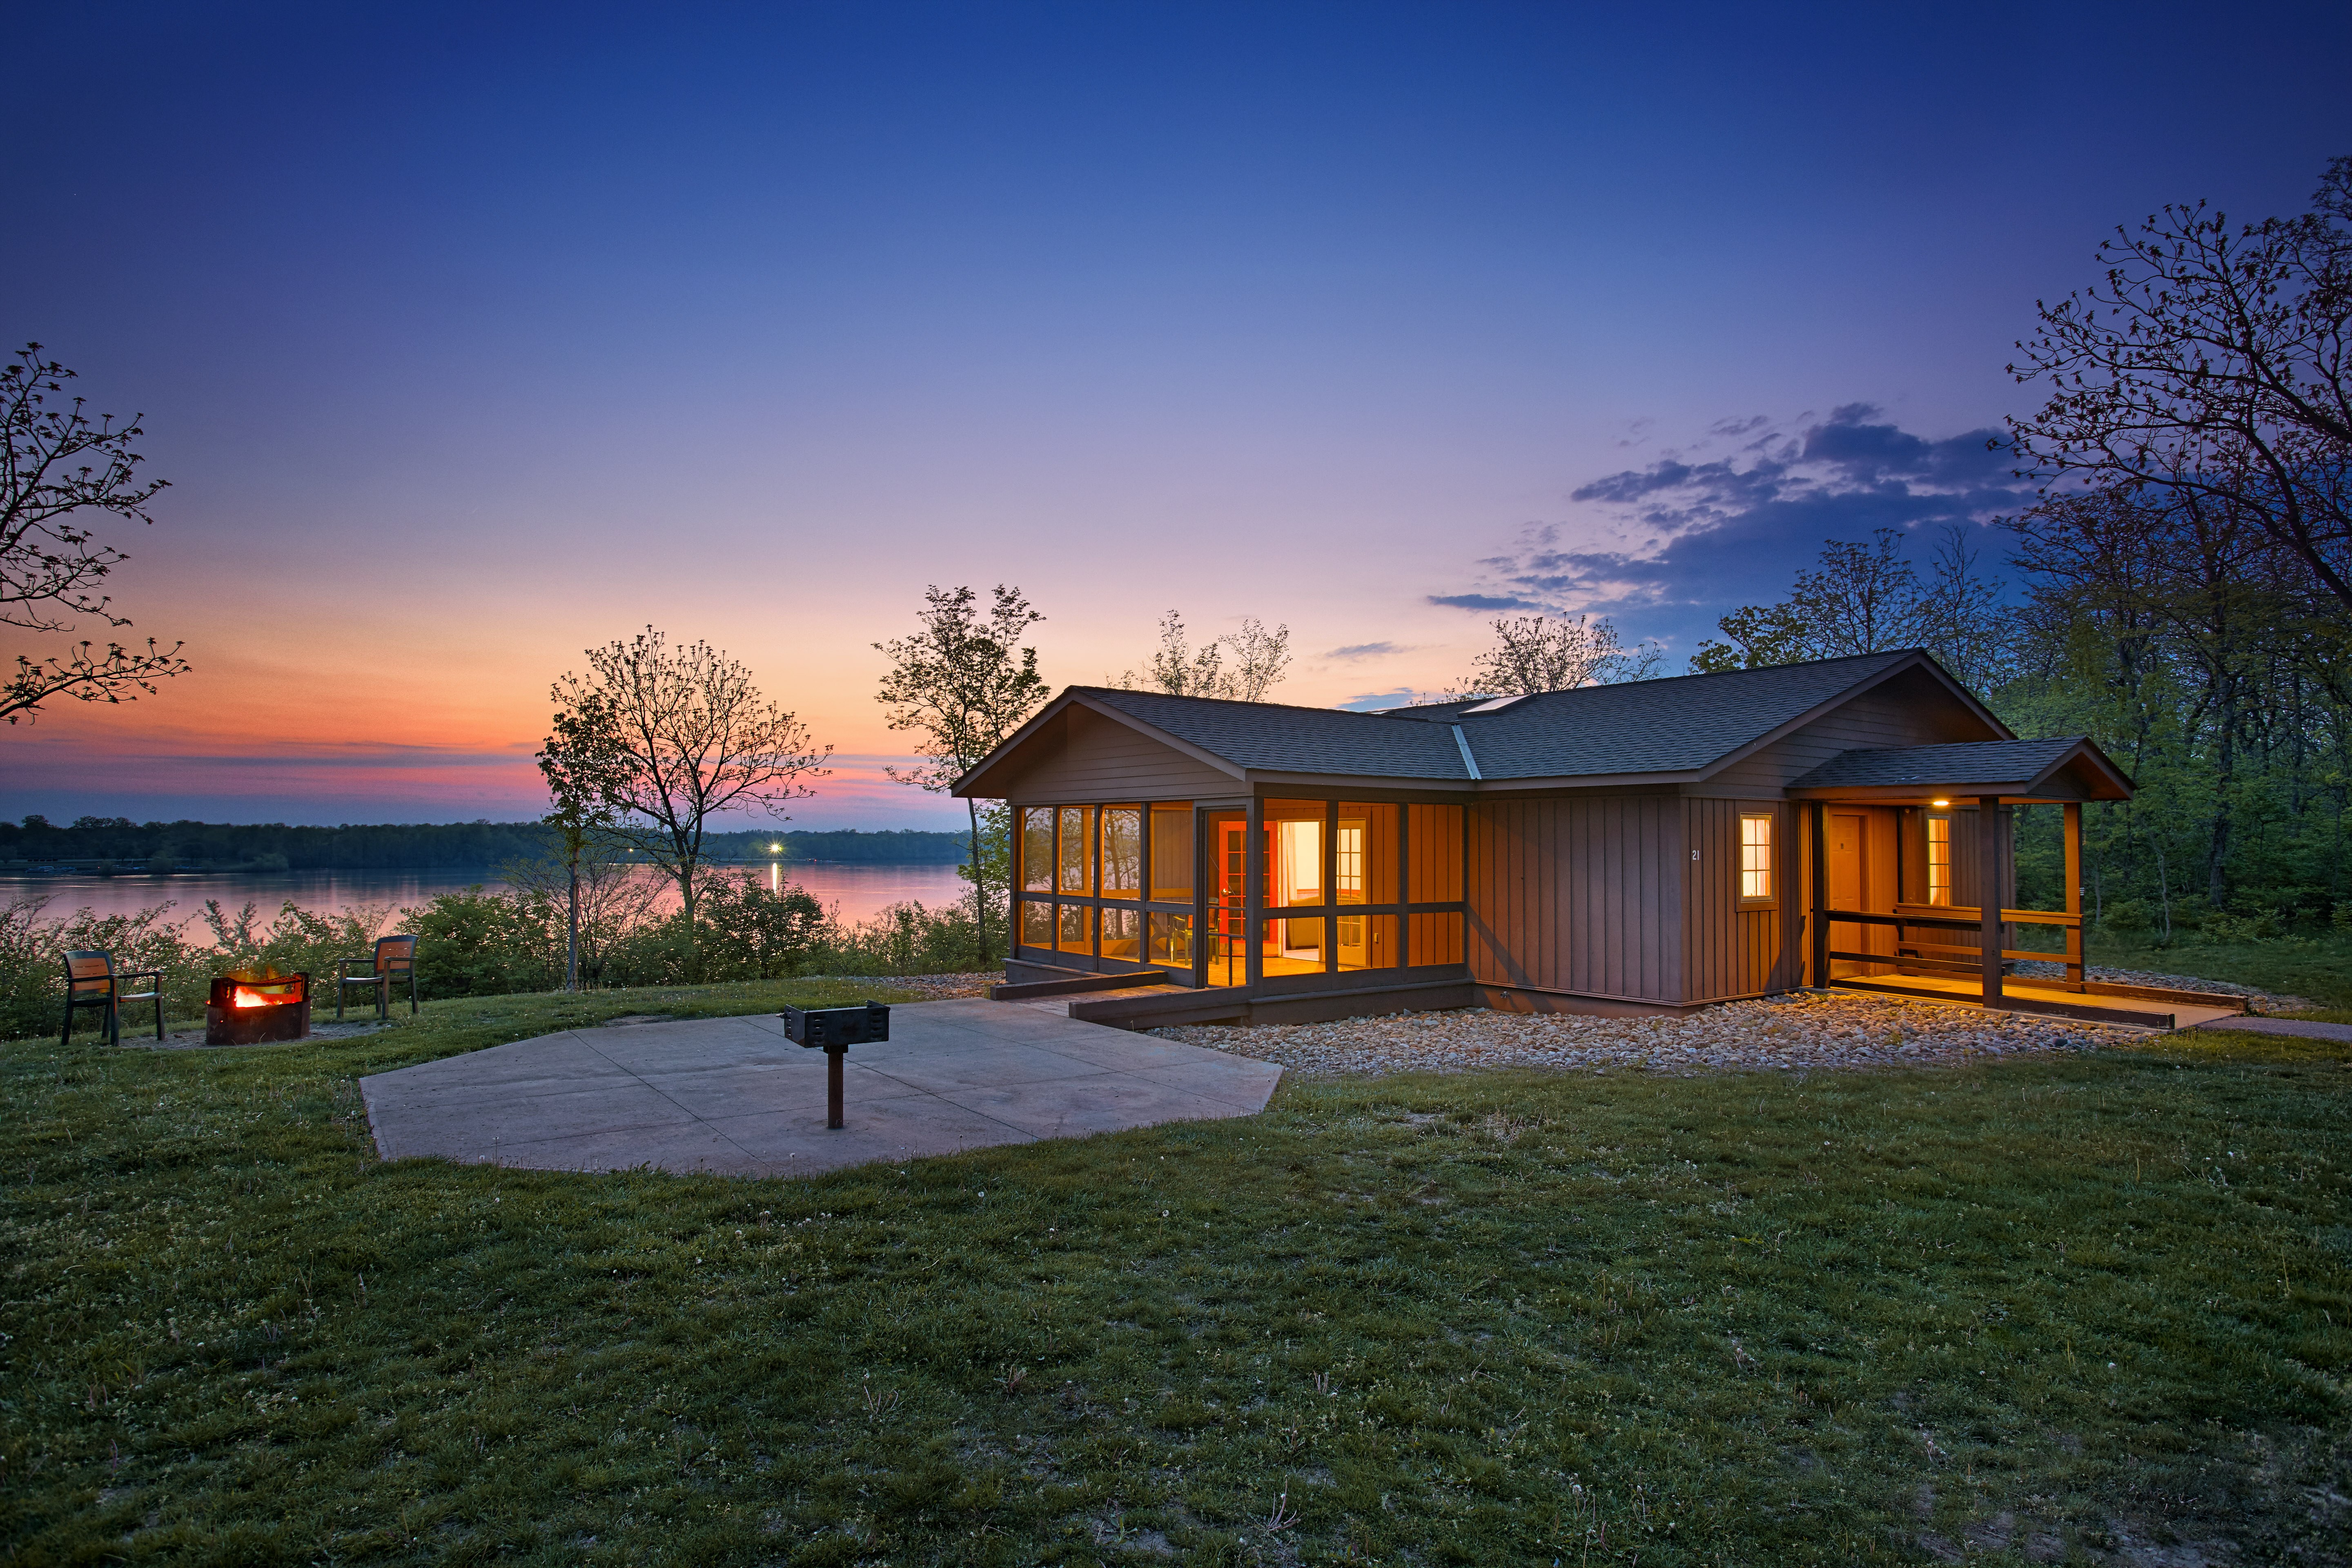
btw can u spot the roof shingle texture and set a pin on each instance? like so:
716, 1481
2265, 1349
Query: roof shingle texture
1957, 767
1680, 724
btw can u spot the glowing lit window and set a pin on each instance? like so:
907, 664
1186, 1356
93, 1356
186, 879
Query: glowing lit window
1122, 934
1172, 861
1076, 857
1122, 852
1077, 925
1940, 859
1755, 860
1038, 848
1172, 939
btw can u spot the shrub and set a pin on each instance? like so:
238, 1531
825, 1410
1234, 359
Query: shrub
750, 933
2128, 914
478, 943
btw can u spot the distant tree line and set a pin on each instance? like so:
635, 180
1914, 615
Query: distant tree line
404, 845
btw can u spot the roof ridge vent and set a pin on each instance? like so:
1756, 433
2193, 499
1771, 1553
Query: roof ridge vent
1496, 704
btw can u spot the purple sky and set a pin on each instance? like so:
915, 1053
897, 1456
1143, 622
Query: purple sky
470, 337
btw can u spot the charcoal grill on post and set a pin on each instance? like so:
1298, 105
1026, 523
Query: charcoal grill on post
250, 1009
836, 1029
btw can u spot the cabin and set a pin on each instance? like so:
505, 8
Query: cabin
1647, 847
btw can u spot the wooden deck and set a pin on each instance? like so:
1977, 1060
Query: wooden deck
2135, 1006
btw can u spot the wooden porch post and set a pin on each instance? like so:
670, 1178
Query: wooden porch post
1820, 881
1988, 894
2075, 894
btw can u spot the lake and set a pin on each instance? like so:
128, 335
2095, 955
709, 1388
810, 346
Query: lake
858, 890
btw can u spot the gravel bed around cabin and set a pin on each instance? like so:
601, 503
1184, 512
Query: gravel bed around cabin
1806, 1033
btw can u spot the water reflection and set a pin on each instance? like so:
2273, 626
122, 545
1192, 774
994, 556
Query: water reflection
860, 891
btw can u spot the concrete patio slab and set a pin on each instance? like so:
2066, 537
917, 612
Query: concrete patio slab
733, 1096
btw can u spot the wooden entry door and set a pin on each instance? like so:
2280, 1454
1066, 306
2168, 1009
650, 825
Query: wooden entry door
1857, 843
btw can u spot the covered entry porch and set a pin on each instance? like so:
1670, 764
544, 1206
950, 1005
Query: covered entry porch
1912, 866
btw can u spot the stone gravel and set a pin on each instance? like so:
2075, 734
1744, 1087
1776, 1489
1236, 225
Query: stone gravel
1805, 1032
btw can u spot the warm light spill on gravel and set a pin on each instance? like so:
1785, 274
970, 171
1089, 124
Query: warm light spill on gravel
1809, 1032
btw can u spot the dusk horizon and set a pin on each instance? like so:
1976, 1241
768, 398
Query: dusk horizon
467, 343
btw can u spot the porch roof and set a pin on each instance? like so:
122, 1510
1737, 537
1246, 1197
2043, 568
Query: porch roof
2067, 768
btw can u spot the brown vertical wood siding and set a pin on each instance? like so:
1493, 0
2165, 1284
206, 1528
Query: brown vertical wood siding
1736, 951
1579, 895
1435, 834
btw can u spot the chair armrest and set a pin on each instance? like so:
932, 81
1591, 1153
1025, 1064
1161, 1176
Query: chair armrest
367, 963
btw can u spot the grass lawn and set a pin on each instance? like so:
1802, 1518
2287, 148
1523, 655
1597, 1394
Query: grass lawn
2049, 1307
2318, 968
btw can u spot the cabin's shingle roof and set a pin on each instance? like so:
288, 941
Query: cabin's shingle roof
1680, 724
1957, 767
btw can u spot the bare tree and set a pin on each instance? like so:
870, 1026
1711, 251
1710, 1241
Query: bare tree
665, 738
58, 465
2215, 361
1261, 658
963, 683
1536, 653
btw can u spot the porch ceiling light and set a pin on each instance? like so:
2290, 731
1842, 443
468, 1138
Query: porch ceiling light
1939, 803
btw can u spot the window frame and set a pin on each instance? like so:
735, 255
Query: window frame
1770, 897
1401, 907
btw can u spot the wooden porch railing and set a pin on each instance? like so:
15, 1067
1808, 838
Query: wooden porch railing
1956, 958
1984, 957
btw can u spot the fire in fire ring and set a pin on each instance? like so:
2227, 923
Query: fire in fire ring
251, 1008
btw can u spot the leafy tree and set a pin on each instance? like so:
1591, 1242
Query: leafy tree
1869, 599
665, 738
1536, 653
581, 821
961, 684
56, 466
1260, 658
2211, 360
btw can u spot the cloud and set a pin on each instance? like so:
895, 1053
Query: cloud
1668, 547
1369, 650
1487, 601
1365, 701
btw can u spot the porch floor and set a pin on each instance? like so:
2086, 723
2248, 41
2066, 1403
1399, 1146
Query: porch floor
1969, 994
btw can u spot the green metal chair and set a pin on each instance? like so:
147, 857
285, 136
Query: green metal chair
394, 959
93, 981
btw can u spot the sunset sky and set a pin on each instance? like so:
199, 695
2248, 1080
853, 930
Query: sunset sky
469, 337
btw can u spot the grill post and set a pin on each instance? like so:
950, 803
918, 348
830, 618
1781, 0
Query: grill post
832, 1054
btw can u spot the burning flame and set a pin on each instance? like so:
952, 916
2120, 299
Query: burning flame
268, 989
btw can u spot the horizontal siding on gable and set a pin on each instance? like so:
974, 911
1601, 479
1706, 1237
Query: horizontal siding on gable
1083, 756
1911, 709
